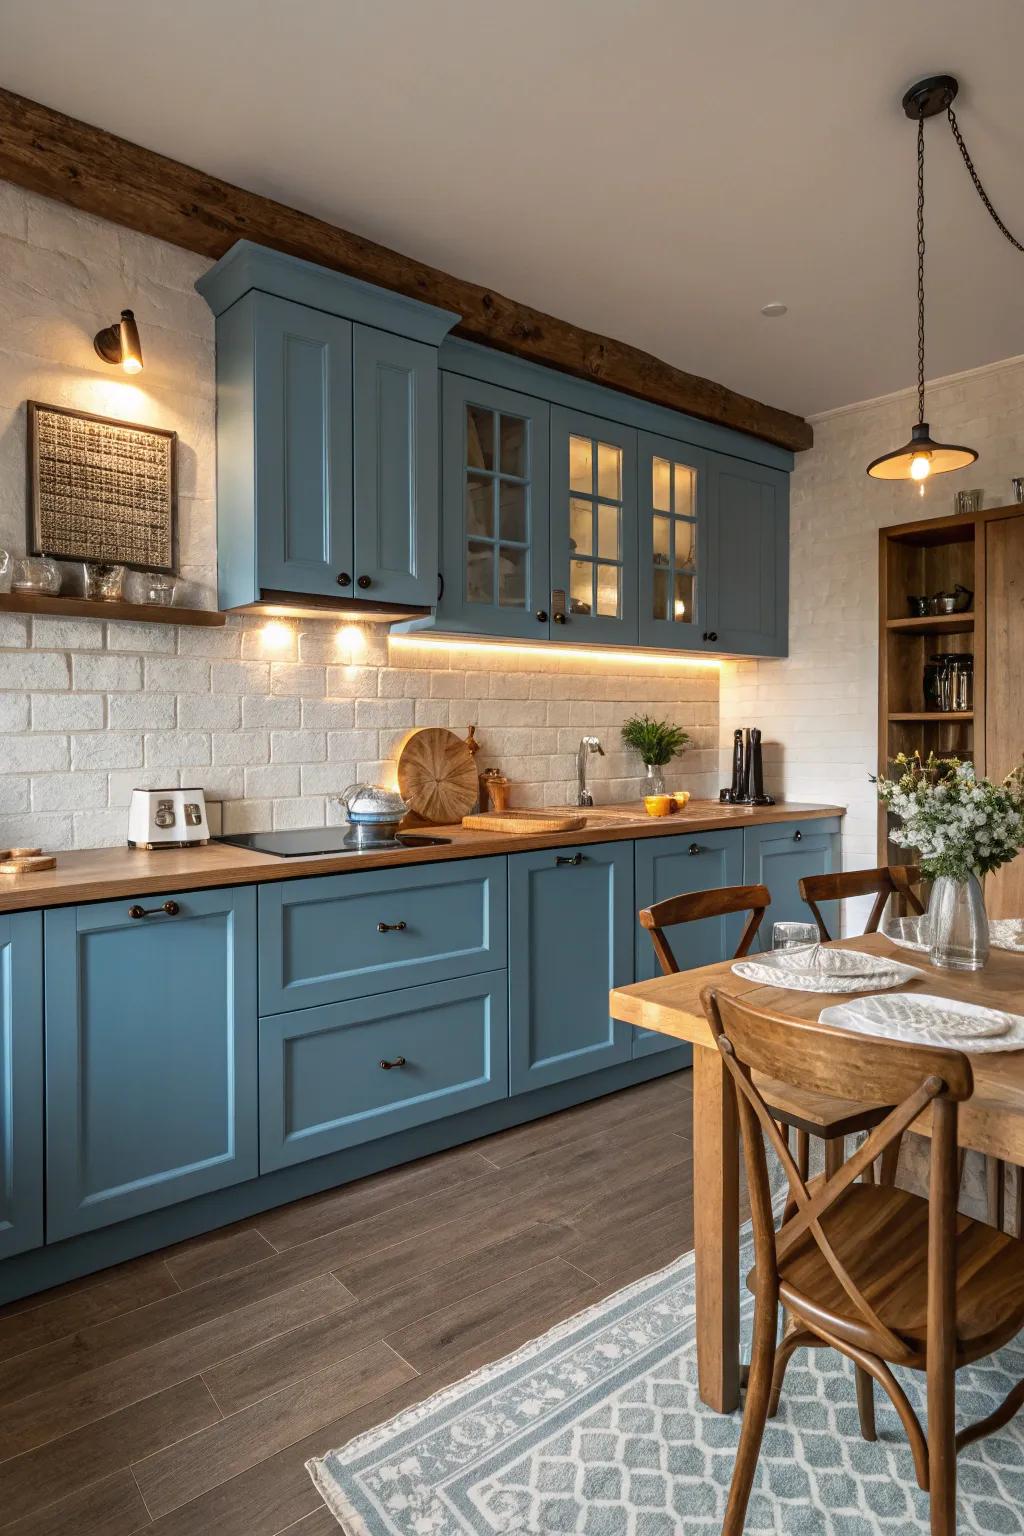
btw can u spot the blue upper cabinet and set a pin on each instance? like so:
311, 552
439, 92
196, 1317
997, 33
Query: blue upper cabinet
673, 530
593, 530
21, 1083
327, 430
151, 1054
748, 558
494, 518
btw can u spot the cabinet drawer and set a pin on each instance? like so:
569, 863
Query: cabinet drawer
321, 940
323, 1086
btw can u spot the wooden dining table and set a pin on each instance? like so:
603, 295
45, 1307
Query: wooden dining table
992, 1121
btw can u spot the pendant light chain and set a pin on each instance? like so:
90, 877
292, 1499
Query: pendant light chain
920, 267
977, 179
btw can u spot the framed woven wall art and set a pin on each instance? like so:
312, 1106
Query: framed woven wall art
100, 489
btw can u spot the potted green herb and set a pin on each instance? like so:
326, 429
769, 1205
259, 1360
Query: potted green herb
658, 742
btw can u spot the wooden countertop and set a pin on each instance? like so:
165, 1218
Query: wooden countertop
100, 874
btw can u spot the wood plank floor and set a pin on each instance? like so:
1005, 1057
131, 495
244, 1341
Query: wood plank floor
181, 1394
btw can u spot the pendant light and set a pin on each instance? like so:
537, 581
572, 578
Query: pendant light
922, 456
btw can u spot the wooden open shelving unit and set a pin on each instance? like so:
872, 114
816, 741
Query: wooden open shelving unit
84, 608
983, 551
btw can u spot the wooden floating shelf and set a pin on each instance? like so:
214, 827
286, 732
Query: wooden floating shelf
83, 608
933, 624
944, 715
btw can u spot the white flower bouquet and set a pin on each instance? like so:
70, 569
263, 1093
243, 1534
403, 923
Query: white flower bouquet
959, 824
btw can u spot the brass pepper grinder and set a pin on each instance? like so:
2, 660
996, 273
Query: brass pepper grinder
494, 787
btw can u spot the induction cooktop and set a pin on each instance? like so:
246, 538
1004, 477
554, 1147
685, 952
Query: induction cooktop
309, 841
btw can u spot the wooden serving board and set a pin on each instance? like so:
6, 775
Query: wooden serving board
437, 777
523, 823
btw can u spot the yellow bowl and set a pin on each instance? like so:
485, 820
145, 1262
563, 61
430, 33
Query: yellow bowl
658, 805
681, 798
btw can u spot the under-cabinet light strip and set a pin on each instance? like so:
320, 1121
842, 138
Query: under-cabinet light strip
568, 652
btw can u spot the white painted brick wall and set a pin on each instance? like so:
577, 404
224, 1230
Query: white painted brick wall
90, 709
818, 708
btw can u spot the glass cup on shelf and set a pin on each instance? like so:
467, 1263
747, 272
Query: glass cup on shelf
157, 589
36, 574
5, 570
793, 935
104, 582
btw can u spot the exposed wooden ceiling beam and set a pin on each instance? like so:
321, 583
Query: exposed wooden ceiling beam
99, 173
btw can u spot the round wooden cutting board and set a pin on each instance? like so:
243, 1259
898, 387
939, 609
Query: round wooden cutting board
437, 777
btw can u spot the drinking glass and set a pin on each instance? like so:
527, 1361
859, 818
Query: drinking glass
793, 935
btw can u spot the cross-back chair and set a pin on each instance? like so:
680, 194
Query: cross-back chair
884, 883
830, 1118
884, 1276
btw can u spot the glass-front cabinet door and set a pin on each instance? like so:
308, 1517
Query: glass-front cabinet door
593, 530
495, 511
672, 496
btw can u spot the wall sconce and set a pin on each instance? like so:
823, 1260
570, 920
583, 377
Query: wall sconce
120, 343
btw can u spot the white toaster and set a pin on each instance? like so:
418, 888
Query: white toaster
167, 818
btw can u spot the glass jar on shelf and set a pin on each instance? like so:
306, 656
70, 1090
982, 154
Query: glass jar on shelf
36, 575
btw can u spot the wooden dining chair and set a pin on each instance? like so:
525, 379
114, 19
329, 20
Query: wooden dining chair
884, 1276
828, 1117
899, 880
890, 880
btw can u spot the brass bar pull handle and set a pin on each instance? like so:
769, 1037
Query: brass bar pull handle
577, 858
169, 909
390, 927
386, 1066
693, 849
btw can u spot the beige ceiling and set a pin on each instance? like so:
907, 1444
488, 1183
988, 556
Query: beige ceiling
653, 169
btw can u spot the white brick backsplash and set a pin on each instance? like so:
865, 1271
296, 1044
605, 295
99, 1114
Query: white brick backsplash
298, 746
117, 704
106, 749
14, 707
103, 673
240, 747
67, 635
13, 631
28, 669
177, 749
150, 638
173, 674
141, 711
67, 712
76, 791
34, 754
209, 711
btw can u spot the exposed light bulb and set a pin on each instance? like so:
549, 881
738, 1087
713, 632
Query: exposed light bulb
131, 365
920, 466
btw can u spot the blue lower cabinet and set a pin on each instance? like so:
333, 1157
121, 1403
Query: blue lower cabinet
779, 856
570, 941
336, 937
151, 1053
21, 1083
678, 866
347, 1073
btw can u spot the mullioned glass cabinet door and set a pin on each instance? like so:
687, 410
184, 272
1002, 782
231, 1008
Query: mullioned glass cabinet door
494, 501
672, 497
593, 530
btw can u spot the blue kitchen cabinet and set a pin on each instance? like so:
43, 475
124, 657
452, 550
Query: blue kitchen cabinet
779, 855
344, 1074
21, 1083
570, 941
494, 511
678, 866
327, 435
151, 1054
593, 530
748, 558
672, 480
334, 937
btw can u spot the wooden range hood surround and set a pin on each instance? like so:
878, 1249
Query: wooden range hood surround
95, 171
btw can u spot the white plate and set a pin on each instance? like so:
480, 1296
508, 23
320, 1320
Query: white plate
771, 970
923, 1019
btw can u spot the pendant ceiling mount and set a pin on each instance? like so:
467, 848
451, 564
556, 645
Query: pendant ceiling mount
922, 456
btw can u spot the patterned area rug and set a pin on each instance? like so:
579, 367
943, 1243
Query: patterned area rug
596, 1428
